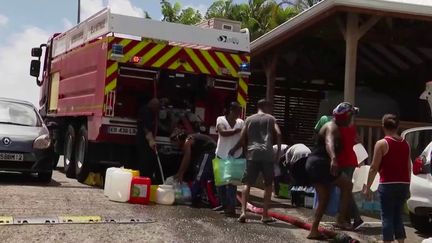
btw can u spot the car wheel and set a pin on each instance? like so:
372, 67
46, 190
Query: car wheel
420, 222
82, 164
68, 158
45, 176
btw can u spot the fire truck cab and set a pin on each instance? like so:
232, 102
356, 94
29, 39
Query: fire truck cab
93, 76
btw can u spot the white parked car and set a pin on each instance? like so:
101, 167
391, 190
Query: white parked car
420, 201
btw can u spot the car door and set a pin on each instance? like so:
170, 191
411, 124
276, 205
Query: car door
420, 141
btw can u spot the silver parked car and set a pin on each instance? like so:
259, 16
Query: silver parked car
25, 144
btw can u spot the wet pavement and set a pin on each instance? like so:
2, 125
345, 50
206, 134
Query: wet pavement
23, 196
370, 232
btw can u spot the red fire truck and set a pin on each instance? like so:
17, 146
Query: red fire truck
93, 75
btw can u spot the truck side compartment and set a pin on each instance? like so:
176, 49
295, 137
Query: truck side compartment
80, 90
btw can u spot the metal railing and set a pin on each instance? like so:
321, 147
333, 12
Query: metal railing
370, 131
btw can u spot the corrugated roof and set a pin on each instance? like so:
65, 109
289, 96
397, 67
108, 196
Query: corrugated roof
421, 8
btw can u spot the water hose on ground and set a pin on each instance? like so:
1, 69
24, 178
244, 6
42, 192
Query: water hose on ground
292, 220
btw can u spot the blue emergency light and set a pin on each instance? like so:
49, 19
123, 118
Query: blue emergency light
117, 49
244, 69
117, 52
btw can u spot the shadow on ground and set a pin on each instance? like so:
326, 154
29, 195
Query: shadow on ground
28, 179
24, 179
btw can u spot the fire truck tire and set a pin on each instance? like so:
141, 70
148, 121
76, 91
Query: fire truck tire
82, 157
68, 158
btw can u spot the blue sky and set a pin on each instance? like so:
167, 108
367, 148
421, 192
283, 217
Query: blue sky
28, 23
50, 13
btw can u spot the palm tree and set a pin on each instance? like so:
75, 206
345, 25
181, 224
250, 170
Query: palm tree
301, 5
281, 15
259, 16
220, 9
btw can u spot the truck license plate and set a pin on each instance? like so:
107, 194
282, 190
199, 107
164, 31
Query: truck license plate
122, 130
11, 157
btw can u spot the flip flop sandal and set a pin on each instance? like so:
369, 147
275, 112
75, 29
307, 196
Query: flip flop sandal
320, 237
268, 220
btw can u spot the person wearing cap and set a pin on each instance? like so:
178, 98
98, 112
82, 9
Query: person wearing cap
322, 168
347, 158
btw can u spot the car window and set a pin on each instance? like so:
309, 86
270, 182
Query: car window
418, 141
18, 114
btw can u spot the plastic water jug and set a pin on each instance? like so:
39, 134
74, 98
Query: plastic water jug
108, 177
360, 177
333, 203
135, 173
153, 193
120, 186
360, 152
297, 196
140, 190
182, 193
309, 197
165, 195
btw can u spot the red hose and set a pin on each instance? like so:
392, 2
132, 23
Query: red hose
290, 219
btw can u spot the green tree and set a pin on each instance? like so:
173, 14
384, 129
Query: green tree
176, 14
281, 15
259, 16
265, 15
220, 9
301, 5
190, 16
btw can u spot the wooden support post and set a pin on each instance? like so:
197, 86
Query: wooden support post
351, 57
270, 65
352, 35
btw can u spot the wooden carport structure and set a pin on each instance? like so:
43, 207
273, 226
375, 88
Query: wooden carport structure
337, 45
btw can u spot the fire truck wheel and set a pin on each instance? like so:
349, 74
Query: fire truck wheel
83, 164
68, 158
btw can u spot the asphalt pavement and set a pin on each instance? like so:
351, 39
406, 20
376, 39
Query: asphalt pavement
23, 197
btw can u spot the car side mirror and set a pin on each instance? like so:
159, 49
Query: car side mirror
36, 52
35, 68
